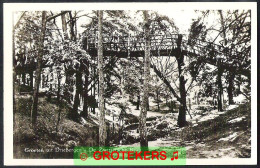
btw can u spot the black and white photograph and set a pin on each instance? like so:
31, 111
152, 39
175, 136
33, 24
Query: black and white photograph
130, 77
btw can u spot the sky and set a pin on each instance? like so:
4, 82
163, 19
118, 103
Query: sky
182, 18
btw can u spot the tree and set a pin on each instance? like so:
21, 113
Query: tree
182, 82
85, 91
236, 36
229, 51
38, 71
14, 65
157, 90
102, 124
143, 113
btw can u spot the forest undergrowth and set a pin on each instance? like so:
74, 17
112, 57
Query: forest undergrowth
68, 134
226, 135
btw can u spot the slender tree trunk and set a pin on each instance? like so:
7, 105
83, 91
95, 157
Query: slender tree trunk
31, 80
148, 105
75, 24
94, 90
49, 93
72, 23
64, 26
144, 106
23, 78
182, 109
230, 88
68, 85
220, 88
59, 102
91, 90
102, 126
238, 85
198, 98
166, 82
58, 92
85, 105
38, 71
113, 127
213, 101
220, 70
74, 114
158, 103
138, 101
19, 83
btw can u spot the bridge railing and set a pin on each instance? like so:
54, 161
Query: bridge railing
159, 42
133, 43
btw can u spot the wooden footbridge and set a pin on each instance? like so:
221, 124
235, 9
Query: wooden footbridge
167, 44
162, 44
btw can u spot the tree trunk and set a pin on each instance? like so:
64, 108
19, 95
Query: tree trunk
94, 90
58, 102
198, 98
148, 104
31, 80
220, 70
58, 92
72, 23
38, 71
102, 126
238, 85
143, 114
166, 101
182, 109
64, 26
220, 87
85, 105
23, 78
74, 114
68, 87
230, 88
213, 102
91, 91
158, 103
138, 101
166, 82
49, 93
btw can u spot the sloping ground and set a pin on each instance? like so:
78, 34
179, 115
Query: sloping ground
228, 135
68, 134
219, 135
211, 134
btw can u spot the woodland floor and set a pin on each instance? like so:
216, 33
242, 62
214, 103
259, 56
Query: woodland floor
210, 134
69, 133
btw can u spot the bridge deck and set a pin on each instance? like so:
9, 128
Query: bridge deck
137, 53
120, 46
161, 45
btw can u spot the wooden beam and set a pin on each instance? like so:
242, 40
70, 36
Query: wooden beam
140, 53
